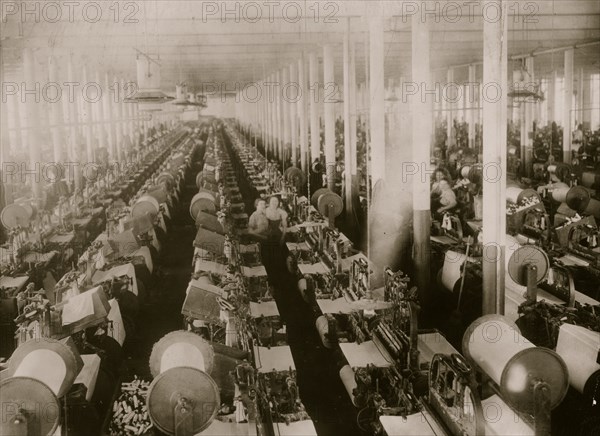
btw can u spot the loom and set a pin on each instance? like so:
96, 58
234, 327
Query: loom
191, 379
580, 199
531, 380
40, 373
328, 203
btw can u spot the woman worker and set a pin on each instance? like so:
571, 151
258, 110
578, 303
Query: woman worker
277, 219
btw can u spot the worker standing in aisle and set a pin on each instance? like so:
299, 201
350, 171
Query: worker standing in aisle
258, 224
277, 219
272, 244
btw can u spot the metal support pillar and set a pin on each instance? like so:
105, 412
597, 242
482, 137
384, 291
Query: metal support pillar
568, 105
291, 95
315, 140
302, 114
329, 115
422, 134
494, 160
377, 96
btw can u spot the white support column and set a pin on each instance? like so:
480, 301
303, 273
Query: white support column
267, 107
580, 97
137, 124
347, 123
56, 115
552, 97
124, 111
131, 124
587, 101
377, 97
118, 116
494, 157
315, 140
32, 120
329, 115
279, 127
285, 114
301, 108
274, 119
108, 121
450, 107
568, 105
99, 115
89, 120
75, 149
16, 119
5, 148
292, 95
353, 113
472, 104
527, 123
4, 139
422, 134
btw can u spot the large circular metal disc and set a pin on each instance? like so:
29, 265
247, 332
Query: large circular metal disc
527, 366
33, 399
330, 201
184, 338
315, 196
527, 254
167, 179
15, 215
72, 363
202, 201
578, 198
295, 176
197, 387
590, 178
146, 204
562, 171
475, 174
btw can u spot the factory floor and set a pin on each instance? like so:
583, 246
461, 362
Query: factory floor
321, 389
161, 313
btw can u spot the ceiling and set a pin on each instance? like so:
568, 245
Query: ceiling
198, 44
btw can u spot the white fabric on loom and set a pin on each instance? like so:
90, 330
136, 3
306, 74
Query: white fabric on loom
118, 271
78, 307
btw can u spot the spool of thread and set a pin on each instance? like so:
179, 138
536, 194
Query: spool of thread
579, 347
181, 363
464, 171
559, 192
478, 207
495, 345
39, 373
516, 195
451, 273
146, 204
348, 379
202, 201
322, 325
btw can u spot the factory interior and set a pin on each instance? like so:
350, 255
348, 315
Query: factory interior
362, 218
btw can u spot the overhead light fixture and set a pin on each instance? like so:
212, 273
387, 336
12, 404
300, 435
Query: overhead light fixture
148, 81
524, 88
180, 95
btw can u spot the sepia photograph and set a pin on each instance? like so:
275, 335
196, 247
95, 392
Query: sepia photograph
300, 218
